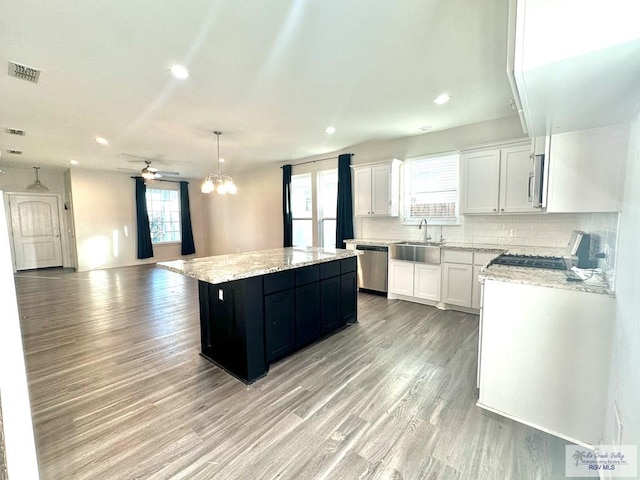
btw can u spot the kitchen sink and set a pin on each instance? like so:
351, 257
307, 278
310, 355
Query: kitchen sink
421, 252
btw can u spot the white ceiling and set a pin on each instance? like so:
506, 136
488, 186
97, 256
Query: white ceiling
271, 74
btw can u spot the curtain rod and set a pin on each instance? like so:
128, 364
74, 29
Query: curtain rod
160, 180
314, 161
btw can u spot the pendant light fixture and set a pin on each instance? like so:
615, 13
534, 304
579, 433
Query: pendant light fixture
37, 186
222, 184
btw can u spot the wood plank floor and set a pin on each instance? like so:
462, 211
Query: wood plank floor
119, 391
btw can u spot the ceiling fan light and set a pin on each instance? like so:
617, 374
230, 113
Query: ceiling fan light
149, 175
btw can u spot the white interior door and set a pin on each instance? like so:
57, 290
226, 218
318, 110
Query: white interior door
35, 224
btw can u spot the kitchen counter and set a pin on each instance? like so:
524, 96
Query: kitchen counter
542, 277
236, 266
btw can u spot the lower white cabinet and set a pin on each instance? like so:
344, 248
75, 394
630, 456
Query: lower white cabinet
544, 353
426, 283
401, 277
475, 287
457, 279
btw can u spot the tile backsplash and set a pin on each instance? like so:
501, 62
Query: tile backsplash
538, 230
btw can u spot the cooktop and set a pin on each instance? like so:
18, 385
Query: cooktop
534, 261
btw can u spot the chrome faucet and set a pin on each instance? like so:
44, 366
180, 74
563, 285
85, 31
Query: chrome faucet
426, 229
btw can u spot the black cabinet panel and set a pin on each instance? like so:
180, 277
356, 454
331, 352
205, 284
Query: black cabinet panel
307, 314
276, 282
329, 269
348, 297
232, 326
348, 264
279, 315
330, 304
307, 275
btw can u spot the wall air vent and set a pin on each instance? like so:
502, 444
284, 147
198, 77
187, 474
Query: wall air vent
23, 72
14, 152
15, 131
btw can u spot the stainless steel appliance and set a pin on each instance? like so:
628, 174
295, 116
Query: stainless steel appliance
537, 184
534, 261
580, 249
372, 268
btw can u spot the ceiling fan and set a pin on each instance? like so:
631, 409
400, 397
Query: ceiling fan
148, 172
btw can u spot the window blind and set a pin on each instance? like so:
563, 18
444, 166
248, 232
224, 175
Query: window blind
431, 189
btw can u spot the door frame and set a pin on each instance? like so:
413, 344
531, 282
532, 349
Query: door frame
62, 219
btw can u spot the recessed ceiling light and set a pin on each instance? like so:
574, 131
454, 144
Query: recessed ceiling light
442, 99
102, 141
426, 128
74, 162
180, 72
330, 130
221, 160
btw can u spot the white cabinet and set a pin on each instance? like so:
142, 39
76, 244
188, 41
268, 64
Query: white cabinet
460, 276
542, 350
376, 189
496, 180
426, 283
586, 170
401, 277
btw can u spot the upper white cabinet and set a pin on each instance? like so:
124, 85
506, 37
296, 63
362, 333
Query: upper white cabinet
586, 170
574, 63
376, 189
497, 180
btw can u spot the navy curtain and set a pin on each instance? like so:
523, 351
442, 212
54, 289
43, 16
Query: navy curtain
344, 212
188, 246
145, 247
287, 216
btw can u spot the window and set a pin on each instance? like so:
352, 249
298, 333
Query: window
327, 205
163, 207
301, 210
431, 189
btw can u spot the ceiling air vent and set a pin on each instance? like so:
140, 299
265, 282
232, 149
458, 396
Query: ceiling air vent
15, 131
23, 72
14, 152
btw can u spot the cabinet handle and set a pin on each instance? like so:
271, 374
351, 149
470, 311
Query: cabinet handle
502, 209
529, 186
495, 209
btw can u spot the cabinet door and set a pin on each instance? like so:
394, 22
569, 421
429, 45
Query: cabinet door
362, 191
348, 297
427, 282
457, 284
475, 289
381, 186
279, 322
401, 277
330, 304
307, 314
515, 165
480, 181
586, 170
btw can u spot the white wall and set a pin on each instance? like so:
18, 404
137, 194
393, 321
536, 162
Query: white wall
16, 414
624, 380
249, 220
104, 220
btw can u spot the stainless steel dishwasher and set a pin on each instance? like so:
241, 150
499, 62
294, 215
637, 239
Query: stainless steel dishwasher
372, 268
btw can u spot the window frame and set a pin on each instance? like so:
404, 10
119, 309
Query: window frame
319, 198
408, 194
148, 201
310, 217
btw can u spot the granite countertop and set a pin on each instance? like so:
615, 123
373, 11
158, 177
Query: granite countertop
226, 268
371, 241
541, 277
477, 247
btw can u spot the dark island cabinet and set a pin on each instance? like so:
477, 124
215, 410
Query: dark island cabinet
247, 324
307, 314
279, 317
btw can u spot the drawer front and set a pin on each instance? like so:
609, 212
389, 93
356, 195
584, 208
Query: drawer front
307, 275
482, 258
458, 256
329, 269
348, 264
276, 282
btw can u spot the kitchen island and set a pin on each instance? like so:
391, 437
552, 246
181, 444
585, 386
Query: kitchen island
258, 307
